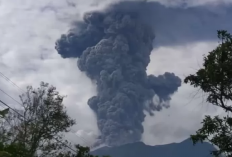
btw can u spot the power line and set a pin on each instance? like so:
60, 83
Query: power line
9, 80
66, 145
11, 108
23, 117
10, 97
83, 139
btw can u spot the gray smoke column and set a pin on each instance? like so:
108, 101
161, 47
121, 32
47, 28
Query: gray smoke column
114, 48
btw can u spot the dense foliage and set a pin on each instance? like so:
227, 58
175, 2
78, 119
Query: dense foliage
37, 129
215, 79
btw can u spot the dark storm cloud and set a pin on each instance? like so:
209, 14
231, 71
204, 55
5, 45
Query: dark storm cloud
114, 47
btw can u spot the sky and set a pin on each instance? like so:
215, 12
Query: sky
29, 29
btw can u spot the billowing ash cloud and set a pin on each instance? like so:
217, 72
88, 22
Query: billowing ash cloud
114, 50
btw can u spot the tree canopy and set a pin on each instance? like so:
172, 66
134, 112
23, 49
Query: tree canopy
215, 79
37, 130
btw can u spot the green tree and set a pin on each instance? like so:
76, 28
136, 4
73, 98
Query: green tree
3, 132
3, 136
80, 152
215, 79
4, 112
40, 124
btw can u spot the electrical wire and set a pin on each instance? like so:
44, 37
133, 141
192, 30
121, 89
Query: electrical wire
22, 116
9, 80
10, 97
10, 108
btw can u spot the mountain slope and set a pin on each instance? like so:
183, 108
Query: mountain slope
139, 149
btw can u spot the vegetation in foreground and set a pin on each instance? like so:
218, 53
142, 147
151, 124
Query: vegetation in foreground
38, 129
215, 80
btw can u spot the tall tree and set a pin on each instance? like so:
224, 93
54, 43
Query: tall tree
40, 124
215, 79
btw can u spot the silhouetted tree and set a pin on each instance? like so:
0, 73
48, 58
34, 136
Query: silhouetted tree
80, 152
215, 79
40, 124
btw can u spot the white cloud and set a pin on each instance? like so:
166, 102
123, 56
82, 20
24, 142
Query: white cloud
28, 31
188, 105
28, 34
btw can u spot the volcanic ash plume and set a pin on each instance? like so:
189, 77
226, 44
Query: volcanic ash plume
114, 50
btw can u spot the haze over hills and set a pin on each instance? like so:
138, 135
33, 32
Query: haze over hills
139, 149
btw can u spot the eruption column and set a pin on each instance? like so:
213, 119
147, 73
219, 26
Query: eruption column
114, 50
